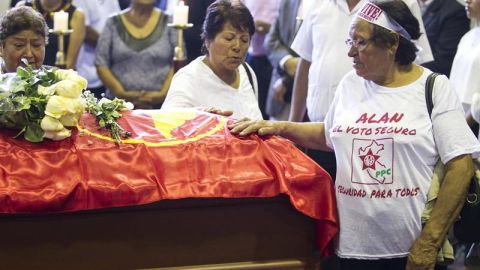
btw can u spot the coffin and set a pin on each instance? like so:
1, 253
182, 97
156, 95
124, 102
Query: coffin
182, 192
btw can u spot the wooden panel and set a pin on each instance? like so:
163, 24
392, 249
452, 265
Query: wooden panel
166, 234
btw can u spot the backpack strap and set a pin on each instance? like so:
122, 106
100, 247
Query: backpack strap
429, 91
250, 78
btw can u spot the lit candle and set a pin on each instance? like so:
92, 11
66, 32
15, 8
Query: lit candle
180, 14
60, 21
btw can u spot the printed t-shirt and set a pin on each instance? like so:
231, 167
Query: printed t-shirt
385, 148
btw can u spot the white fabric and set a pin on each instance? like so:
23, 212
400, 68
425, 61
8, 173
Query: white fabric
373, 14
475, 108
96, 15
321, 38
465, 74
395, 176
196, 85
304, 8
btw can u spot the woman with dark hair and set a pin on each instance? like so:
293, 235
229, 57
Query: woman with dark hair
220, 79
76, 22
386, 145
23, 34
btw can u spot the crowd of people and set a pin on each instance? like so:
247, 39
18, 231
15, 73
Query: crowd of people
344, 79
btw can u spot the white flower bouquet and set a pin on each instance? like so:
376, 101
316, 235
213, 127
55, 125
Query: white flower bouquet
41, 103
47, 103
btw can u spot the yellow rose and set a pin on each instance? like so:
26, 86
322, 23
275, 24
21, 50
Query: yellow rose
58, 135
71, 75
67, 88
49, 123
58, 106
69, 119
82, 82
62, 74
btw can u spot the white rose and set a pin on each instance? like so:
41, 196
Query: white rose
58, 135
57, 106
128, 106
67, 88
49, 123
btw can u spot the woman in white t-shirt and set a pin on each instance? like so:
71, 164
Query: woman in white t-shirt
220, 79
386, 145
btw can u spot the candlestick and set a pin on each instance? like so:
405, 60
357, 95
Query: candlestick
60, 56
179, 53
180, 14
60, 21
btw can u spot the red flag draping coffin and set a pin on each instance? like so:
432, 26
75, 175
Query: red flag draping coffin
170, 155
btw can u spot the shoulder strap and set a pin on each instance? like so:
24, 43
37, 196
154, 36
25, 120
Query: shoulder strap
428, 92
249, 74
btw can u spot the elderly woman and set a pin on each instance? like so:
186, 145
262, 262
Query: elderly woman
135, 54
23, 34
386, 146
220, 79
76, 21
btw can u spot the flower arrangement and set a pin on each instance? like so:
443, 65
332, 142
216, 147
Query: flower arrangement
48, 102
107, 112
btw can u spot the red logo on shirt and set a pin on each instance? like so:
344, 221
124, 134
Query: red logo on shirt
372, 161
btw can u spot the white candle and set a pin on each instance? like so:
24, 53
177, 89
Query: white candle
180, 14
60, 21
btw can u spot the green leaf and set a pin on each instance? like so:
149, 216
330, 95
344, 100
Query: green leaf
33, 133
18, 86
21, 103
22, 72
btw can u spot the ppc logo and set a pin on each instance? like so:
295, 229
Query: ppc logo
372, 161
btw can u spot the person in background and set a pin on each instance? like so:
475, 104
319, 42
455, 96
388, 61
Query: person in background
135, 55
445, 24
76, 22
23, 34
379, 122
192, 36
466, 65
96, 15
323, 62
465, 79
264, 14
282, 58
220, 79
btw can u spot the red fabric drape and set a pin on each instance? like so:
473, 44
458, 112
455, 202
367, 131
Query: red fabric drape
163, 160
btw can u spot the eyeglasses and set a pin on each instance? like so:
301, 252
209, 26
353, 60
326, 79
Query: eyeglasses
359, 44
